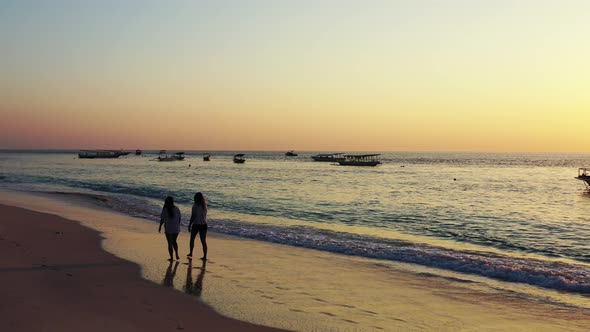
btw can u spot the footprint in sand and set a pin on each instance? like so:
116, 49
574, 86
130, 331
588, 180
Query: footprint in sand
268, 297
346, 306
327, 313
319, 300
350, 321
281, 288
378, 327
296, 310
369, 312
397, 319
276, 302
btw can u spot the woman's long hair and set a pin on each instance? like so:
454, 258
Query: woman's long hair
200, 200
169, 206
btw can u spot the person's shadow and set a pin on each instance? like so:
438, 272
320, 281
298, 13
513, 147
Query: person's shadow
169, 276
195, 288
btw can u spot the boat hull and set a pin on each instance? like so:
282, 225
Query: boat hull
327, 159
584, 178
359, 163
101, 154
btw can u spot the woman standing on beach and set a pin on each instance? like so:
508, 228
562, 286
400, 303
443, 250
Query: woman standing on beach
198, 224
170, 217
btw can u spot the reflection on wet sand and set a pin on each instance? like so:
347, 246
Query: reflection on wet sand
170, 273
197, 287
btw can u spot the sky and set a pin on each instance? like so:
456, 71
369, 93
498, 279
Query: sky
415, 75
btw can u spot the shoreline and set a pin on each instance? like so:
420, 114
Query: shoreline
308, 290
57, 272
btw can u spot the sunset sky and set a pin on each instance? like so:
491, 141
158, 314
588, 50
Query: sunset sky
414, 75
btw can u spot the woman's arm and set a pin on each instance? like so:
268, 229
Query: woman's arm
161, 221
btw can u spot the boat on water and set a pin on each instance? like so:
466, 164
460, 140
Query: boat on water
584, 175
206, 157
138, 152
328, 157
164, 156
360, 160
239, 158
291, 153
94, 154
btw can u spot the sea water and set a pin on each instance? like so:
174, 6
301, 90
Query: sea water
515, 219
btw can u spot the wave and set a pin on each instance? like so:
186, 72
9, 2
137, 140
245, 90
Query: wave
542, 273
537, 272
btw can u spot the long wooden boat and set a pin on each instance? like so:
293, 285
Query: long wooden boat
360, 160
97, 154
328, 157
163, 156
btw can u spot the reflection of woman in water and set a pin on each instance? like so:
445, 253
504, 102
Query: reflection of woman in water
170, 217
198, 224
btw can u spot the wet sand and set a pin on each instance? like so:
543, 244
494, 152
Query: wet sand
283, 286
56, 277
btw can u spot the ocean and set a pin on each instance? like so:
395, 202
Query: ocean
520, 222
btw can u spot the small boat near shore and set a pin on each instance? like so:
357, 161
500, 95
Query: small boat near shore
206, 157
584, 175
138, 152
97, 154
164, 156
329, 157
360, 160
239, 158
291, 153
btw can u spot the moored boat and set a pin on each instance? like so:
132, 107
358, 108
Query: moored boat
239, 158
163, 156
291, 153
584, 175
328, 157
97, 154
360, 160
206, 157
138, 152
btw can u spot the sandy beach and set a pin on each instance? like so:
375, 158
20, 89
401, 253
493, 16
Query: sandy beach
57, 272
56, 277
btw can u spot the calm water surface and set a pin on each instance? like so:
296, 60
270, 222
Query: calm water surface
520, 218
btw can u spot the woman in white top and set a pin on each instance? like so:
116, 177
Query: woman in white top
198, 224
170, 218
